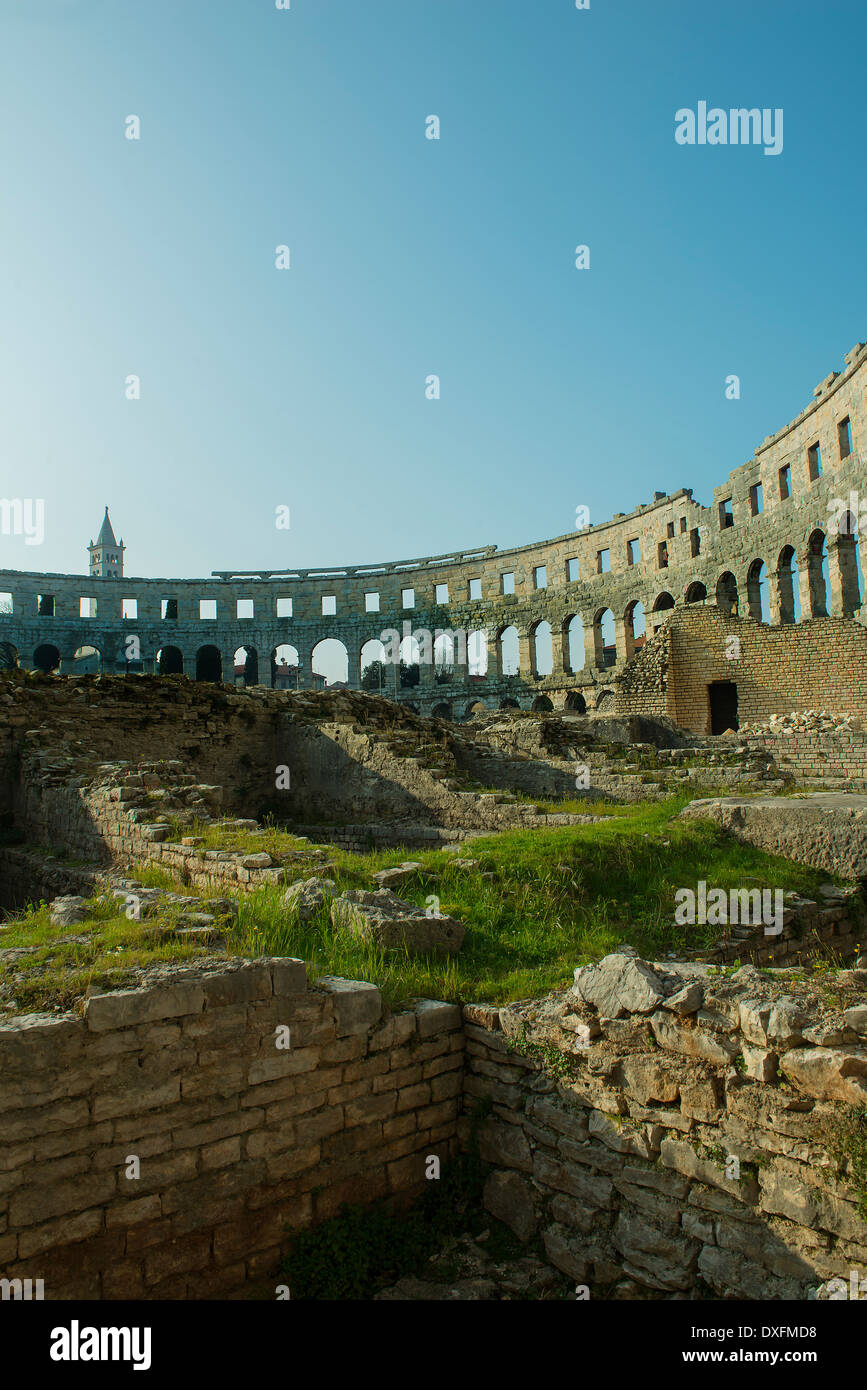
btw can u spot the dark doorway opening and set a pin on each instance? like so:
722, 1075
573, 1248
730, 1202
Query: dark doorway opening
723, 697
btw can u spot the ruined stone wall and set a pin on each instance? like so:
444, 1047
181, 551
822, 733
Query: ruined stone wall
236, 1138
687, 552
625, 1166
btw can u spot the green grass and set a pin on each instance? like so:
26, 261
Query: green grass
555, 898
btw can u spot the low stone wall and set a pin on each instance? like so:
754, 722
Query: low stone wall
825, 829
238, 1140
688, 1146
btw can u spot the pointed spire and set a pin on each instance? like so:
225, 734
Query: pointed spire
106, 534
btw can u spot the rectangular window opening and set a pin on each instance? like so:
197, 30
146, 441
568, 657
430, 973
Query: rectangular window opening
44, 605
207, 608
785, 477
573, 571
633, 551
662, 555
694, 542
408, 598
284, 608
475, 589
508, 582
540, 577
244, 608
441, 593
371, 603
725, 514
329, 605
603, 561
756, 499
844, 437
814, 462
129, 608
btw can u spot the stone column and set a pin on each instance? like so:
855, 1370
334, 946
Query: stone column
526, 654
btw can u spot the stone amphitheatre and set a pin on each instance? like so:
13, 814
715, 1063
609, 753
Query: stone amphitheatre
484, 958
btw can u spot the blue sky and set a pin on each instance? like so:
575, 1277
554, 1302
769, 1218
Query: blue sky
306, 387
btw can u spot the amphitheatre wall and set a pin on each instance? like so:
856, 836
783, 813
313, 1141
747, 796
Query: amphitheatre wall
777, 510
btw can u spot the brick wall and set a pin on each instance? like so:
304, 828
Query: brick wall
236, 1138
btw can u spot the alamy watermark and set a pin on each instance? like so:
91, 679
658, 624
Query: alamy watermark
717, 908
737, 126
23, 516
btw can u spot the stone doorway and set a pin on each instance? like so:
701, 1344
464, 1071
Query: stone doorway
723, 700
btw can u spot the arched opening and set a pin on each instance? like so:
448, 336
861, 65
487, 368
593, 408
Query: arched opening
727, 594
410, 662
87, 661
541, 649
442, 711
575, 701
849, 565
329, 663
817, 571
170, 661
696, 593
284, 667
46, 658
509, 704
758, 604
246, 666
604, 641
475, 707
209, 664
372, 666
574, 657
8, 656
635, 626
788, 585
605, 699
477, 653
542, 704
508, 659
410, 704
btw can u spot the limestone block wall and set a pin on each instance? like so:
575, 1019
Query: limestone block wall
236, 1139
624, 1168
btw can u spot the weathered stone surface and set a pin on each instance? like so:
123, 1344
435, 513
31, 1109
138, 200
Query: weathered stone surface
664, 1259
357, 1006
385, 920
692, 1041
566, 1251
509, 1198
687, 1000
307, 895
828, 1073
390, 878
66, 911
680, 1155
618, 985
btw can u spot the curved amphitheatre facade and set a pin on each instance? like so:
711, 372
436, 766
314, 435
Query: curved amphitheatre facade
773, 546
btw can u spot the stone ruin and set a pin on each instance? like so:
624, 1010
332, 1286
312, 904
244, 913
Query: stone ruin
654, 1129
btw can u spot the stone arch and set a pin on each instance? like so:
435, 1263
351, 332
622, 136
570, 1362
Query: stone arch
87, 660
788, 585
542, 705
46, 658
727, 593
663, 603
246, 666
509, 704
372, 654
758, 606
442, 711
330, 659
605, 699
170, 661
848, 575
8, 656
508, 655
604, 640
285, 664
817, 574
541, 648
209, 664
634, 626
696, 593
475, 707
572, 641
477, 652
575, 701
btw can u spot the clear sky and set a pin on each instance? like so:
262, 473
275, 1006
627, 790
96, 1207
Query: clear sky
408, 257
